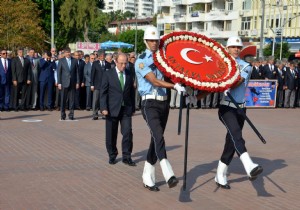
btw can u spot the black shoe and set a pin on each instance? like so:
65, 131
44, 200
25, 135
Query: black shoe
50, 109
71, 118
128, 161
95, 118
153, 188
226, 186
172, 182
112, 161
42, 109
63, 118
255, 172
88, 109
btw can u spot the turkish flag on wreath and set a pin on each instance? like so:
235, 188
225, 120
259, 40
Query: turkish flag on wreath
196, 61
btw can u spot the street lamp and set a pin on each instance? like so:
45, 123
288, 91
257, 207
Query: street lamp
135, 38
262, 29
52, 24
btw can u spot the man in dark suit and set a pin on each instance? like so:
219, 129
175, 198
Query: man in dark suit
280, 85
68, 82
5, 81
290, 85
79, 92
117, 104
270, 70
46, 80
89, 59
257, 70
21, 77
98, 68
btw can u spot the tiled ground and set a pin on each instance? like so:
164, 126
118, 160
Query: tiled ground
63, 165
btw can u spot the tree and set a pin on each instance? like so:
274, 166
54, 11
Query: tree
62, 36
129, 37
20, 25
267, 51
79, 14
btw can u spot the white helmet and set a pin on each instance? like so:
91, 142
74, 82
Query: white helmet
234, 41
151, 33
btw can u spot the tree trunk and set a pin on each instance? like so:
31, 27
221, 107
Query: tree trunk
86, 31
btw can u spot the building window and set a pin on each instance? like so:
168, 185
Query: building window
246, 23
172, 26
247, 5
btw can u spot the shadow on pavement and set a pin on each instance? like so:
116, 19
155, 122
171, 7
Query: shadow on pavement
235, 167
22, 116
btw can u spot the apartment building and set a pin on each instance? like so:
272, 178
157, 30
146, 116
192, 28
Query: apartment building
143, 8
220, 19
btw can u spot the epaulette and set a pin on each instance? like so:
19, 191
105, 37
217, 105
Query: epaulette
152, 67
142, 55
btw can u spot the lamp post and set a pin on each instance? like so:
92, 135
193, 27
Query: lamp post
262, 29
135, 38
52, 24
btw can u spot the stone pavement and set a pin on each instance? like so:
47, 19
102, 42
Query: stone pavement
55, 164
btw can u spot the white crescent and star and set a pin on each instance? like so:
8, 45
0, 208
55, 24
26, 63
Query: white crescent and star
184, 52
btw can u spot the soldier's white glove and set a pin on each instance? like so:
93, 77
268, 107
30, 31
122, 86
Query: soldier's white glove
180, 89
226, 91
191, 100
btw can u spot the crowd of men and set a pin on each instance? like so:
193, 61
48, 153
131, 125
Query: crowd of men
30, 82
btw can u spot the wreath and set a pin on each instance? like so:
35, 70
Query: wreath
196, 61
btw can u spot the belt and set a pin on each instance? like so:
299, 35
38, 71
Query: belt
159, 98
231, 104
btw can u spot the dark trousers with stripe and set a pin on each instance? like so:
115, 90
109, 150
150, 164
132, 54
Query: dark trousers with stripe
234, 123
156, 115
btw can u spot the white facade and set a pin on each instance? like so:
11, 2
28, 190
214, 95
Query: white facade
143, 8
217, 19
220, 19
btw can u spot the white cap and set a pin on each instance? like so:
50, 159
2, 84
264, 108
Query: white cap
234, 41
151, 33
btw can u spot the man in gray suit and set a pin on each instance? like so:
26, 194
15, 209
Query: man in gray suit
87, 80
68, 82
34, 83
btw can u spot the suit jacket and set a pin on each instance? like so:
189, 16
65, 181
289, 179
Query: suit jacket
5, 78
291, 81
280, 79
112, 96
67, 76
268, 73
97, 74
87, 74
80, 70
21, 73
46, 70
257, 73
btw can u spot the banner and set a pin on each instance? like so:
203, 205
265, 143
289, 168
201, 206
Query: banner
87, 46
261, 93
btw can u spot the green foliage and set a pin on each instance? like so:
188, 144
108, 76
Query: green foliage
129, 37
20, 25
267, 51
79, 14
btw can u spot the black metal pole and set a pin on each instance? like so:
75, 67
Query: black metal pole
186, 145
246, 118
180, 114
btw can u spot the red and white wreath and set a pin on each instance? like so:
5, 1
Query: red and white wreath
196, 61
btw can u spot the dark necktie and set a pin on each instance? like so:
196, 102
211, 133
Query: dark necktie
32, 63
